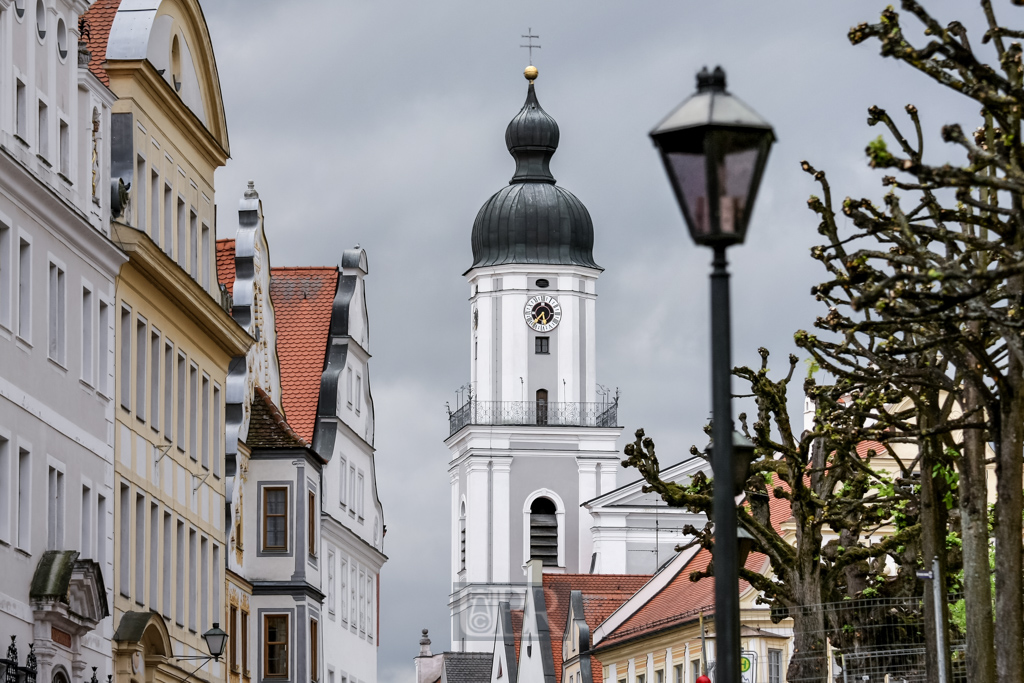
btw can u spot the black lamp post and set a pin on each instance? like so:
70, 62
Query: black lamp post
714, 148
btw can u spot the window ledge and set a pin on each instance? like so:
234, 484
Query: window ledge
87, 385
43, 159
24, 342
57, 364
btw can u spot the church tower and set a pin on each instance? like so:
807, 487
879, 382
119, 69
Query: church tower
535, 436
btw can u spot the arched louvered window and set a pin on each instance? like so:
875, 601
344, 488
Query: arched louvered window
462, 538
544, 532
542, 406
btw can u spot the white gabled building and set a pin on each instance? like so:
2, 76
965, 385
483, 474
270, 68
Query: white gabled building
352, 521
57, 271
308, 591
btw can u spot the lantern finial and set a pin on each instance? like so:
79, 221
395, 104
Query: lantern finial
711, 81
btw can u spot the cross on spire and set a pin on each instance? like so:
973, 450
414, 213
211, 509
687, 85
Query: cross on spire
530, 46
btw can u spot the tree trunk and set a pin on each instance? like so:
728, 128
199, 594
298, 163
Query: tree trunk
974, 534
1009, 609
809, 662
810, 648
934, 518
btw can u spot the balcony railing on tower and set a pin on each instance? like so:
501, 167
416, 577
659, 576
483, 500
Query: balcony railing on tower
534, 413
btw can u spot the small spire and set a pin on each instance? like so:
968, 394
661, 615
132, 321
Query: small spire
530, 73
250, 192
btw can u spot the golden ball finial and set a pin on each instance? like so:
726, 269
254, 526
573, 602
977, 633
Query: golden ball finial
531, 73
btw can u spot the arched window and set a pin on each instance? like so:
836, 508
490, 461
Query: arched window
542, 406
59, 676
544, 532
462, 537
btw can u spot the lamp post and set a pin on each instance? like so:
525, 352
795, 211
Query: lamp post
714, 148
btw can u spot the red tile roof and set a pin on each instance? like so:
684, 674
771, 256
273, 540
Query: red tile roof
303, 300
682, 599
100, 18
226, 264
517, 629
267, 426
602, 595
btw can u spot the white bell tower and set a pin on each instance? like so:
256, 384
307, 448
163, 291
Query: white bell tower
534, 438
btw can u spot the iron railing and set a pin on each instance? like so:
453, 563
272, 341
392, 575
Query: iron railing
534, 413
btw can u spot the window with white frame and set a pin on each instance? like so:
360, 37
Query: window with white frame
193, 411
24, 523
330, 582
774, 666
126, 358
43, 131
369, 604
348, 387
154, 378
103, 375
5, 275
124, 541
360, 494
6, 488
25, 289
141, 341
362, 601
342, 486
65, 149
88, 333
344, 589
218, 439
54, 509
57, 315
140, 195
359, 393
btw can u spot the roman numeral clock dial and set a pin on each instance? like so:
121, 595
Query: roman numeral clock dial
542, 313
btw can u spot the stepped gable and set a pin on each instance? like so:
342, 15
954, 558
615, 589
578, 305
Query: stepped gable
226, 264
602, 595
303, 301
267, 426
100, 17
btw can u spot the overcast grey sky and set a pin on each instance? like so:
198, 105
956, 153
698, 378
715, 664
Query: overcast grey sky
382, 123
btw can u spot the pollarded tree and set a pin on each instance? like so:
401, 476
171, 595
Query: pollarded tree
833, 490
939, 266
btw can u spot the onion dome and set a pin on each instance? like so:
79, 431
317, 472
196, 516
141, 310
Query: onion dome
533, 220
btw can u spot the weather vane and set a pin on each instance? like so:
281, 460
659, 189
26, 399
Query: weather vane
529, 43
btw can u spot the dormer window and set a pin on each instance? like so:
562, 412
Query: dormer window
176, 64
19, 8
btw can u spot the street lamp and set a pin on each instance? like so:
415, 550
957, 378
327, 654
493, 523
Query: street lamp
215, 639
714, 148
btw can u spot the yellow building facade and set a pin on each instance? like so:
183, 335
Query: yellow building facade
174, 340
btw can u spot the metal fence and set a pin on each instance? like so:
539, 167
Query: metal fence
534, 413
882, 641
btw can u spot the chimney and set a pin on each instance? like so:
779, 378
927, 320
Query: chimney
425, 645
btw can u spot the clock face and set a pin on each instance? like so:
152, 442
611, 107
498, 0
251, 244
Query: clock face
542, 313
